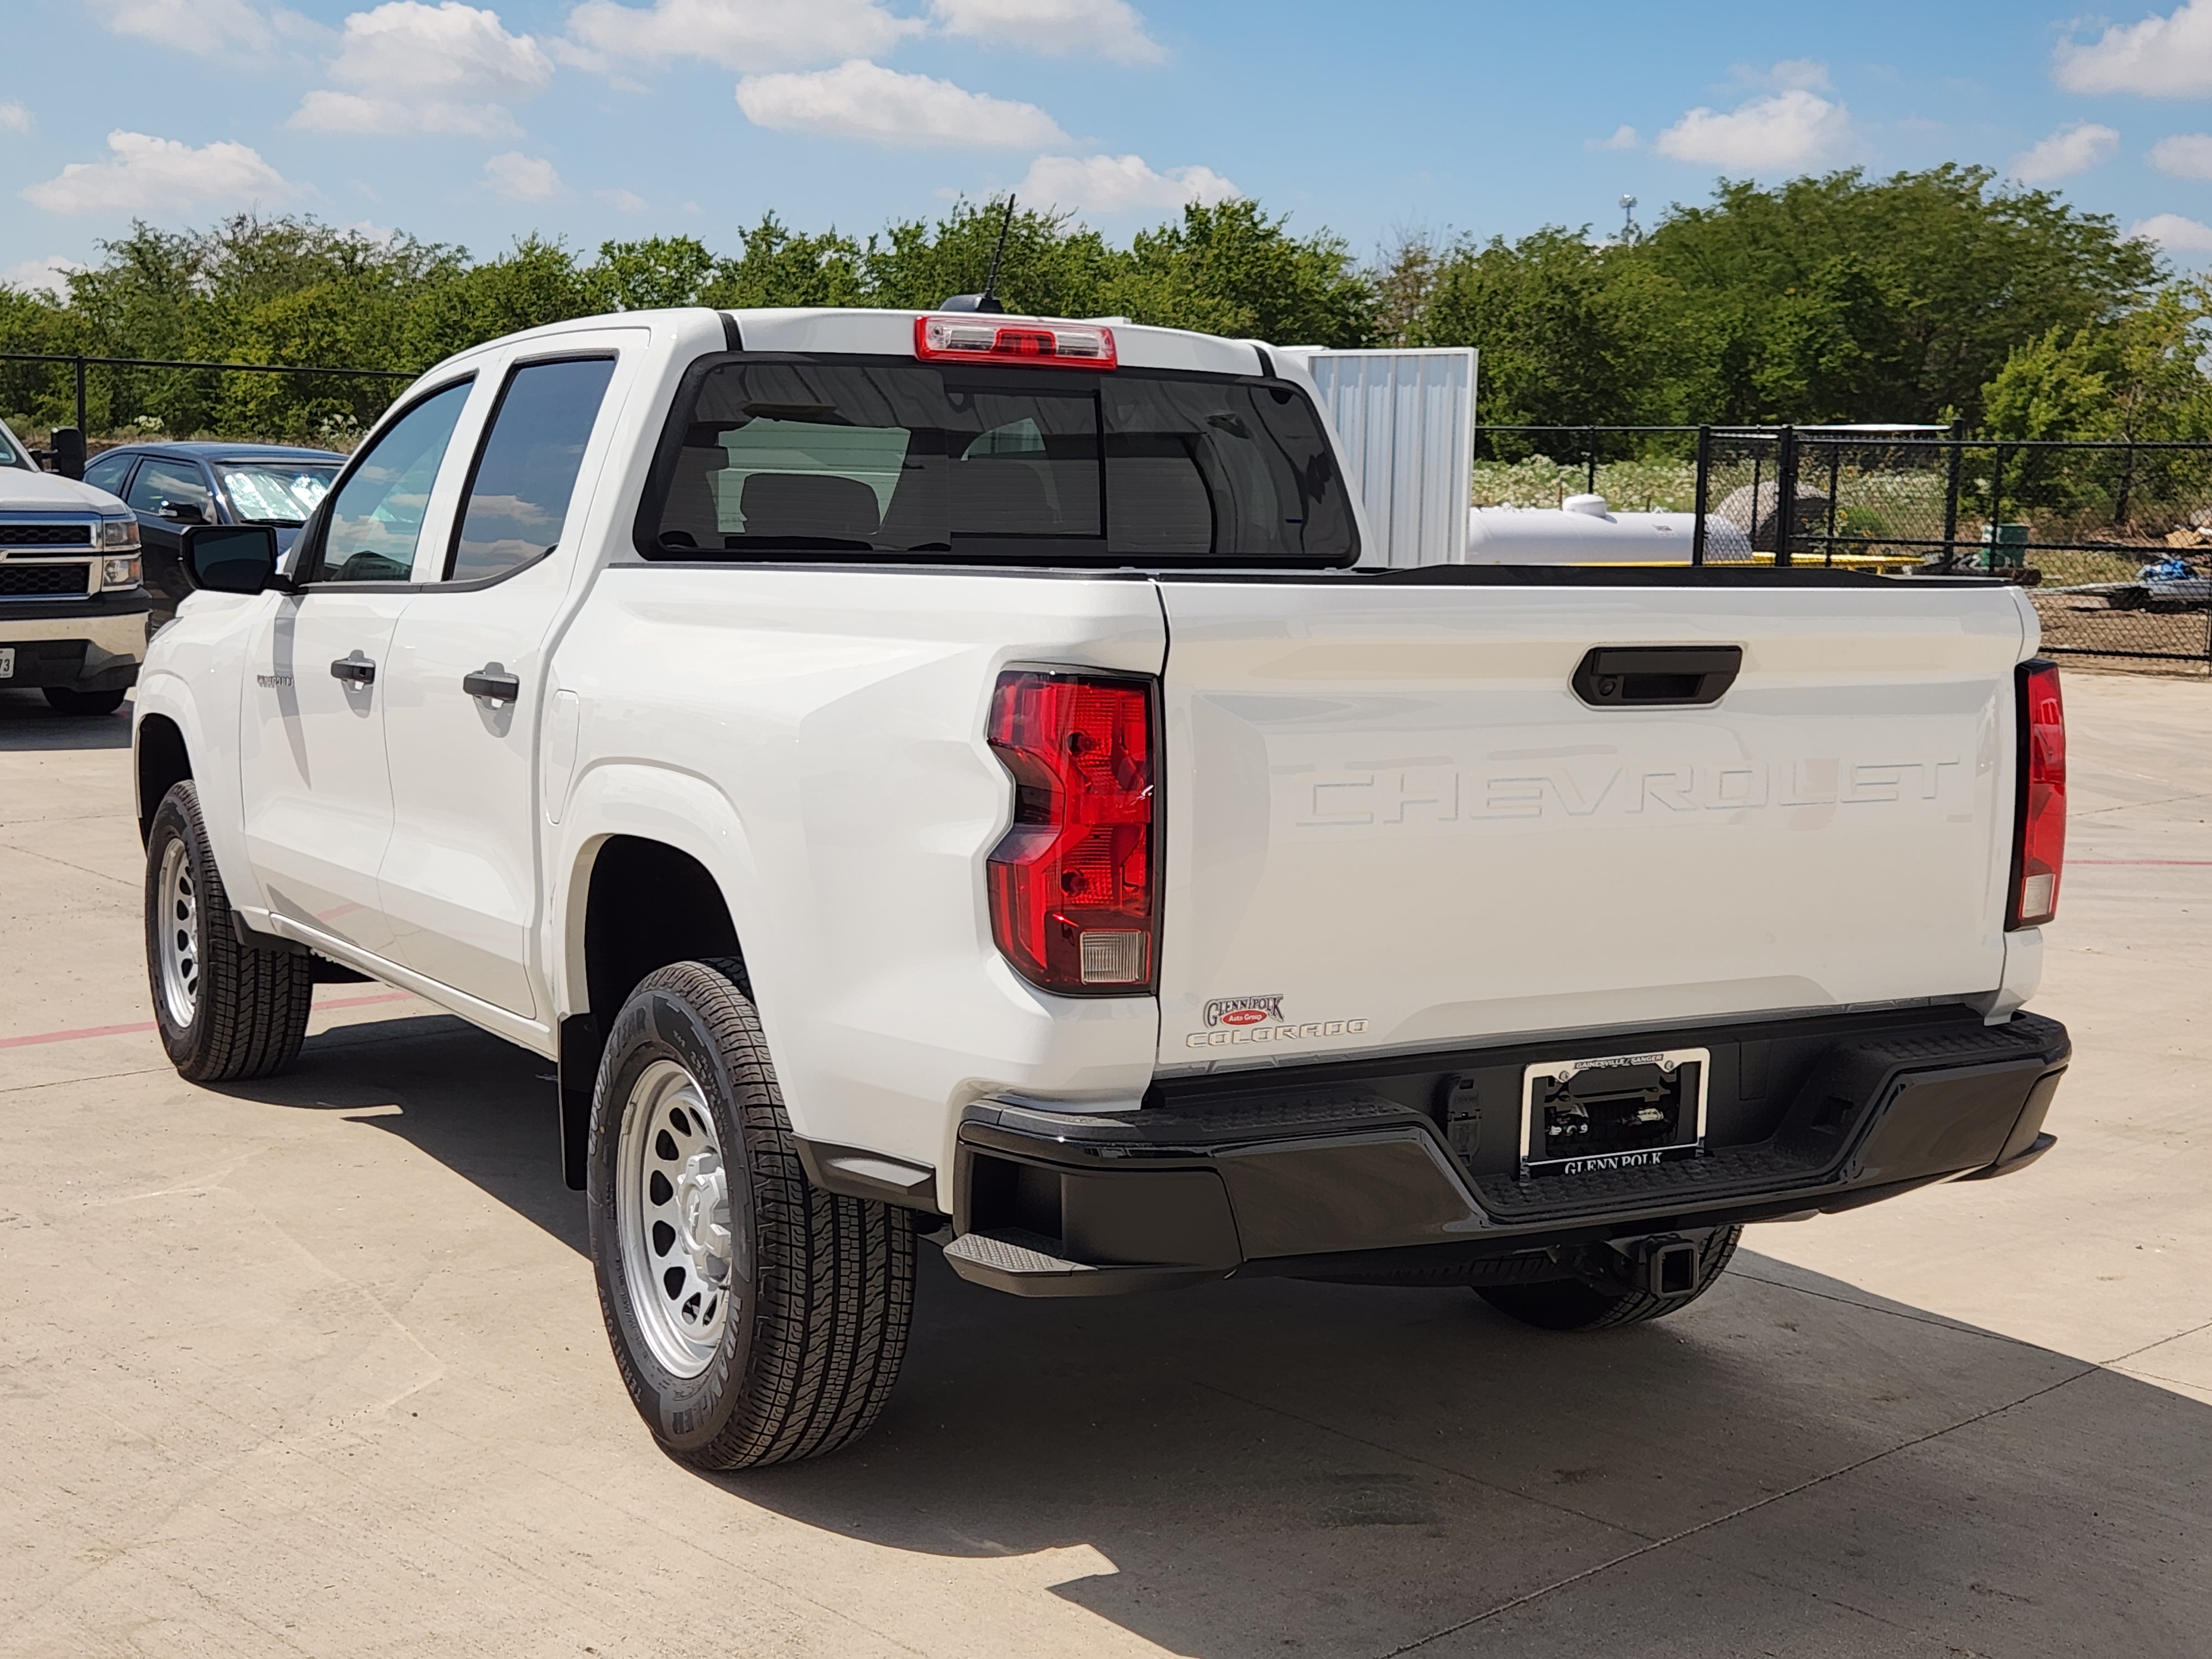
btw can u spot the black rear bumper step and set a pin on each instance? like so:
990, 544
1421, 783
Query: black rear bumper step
1200, 1185
1027, 1264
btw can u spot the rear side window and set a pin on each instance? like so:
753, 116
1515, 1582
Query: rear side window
791, 458
517, 503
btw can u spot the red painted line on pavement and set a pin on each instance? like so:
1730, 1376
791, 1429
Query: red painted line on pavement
72, 1036
2191, 864
148, 1025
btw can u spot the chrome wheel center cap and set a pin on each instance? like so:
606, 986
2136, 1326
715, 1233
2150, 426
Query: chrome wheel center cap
703, 1200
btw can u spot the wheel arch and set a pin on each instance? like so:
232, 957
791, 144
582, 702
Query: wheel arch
654, 870
163, 760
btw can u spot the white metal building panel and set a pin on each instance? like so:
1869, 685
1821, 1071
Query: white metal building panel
1406, 420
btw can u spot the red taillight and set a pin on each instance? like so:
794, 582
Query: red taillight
1072, 883
2040, 851
1045, 345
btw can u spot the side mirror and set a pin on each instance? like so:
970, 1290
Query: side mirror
66, 445
183, 512
230, 558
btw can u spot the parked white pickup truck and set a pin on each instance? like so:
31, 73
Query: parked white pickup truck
967, 776
73, 601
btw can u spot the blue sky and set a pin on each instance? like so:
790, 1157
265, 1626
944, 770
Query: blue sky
596, 118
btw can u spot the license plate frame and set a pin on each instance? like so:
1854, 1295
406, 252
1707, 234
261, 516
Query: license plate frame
1541, 1081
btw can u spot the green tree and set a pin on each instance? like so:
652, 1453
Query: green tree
2139, 377
663, 271
1049, 268
782, 267
533, 283
1569, 332
1229, 269
1841, 298
1403, 282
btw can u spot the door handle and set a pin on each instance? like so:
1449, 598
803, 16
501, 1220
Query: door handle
355, 669
1656, 676
492, 684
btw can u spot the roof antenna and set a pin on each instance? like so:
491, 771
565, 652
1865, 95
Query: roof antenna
989, 299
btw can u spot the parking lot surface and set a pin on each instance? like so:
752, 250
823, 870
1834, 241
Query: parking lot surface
314, 1365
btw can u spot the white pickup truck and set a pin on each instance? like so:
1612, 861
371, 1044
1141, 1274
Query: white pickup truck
73, 600
968, 777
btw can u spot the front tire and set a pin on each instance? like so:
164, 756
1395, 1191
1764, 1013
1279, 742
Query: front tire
755, 1318
1572, 1304
225, 1010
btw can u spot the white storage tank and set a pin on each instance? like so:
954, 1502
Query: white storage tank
1583, 529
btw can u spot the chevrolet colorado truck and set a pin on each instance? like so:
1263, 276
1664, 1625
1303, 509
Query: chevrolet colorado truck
968, 778
73, 606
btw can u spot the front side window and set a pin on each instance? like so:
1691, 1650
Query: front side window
376, 515
517, 506
773, 460
169, 484
265, 493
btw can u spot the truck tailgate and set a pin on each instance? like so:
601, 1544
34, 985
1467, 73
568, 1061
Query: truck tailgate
1391, 822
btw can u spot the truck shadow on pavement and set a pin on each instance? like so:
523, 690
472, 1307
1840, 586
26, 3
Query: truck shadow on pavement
29, 722
1792, 1465
485, 1108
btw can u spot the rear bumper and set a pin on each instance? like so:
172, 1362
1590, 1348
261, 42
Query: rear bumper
1337, 1173
94, 644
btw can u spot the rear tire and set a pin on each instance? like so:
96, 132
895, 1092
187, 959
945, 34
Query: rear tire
1571, 1305
755, 1318
66, 702
225, 1010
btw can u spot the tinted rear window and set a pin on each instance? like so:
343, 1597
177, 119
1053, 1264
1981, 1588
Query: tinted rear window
787, 460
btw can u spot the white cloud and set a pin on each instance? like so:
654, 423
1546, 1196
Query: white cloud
522, 177
1784, 129
2184, 154
2173, 232
739, 35
13, 117
1106, 28
623, 201
48, 276
858, 100
205, 28
1624, 138
2072, 150
1116, 184
160, 174
416, 68
2158, 58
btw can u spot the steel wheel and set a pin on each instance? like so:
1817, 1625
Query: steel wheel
180, 938
672, 1214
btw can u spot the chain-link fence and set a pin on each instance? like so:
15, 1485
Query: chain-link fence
2112, 540
112, 400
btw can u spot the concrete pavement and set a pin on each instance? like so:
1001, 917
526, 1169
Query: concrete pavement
314, 1366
